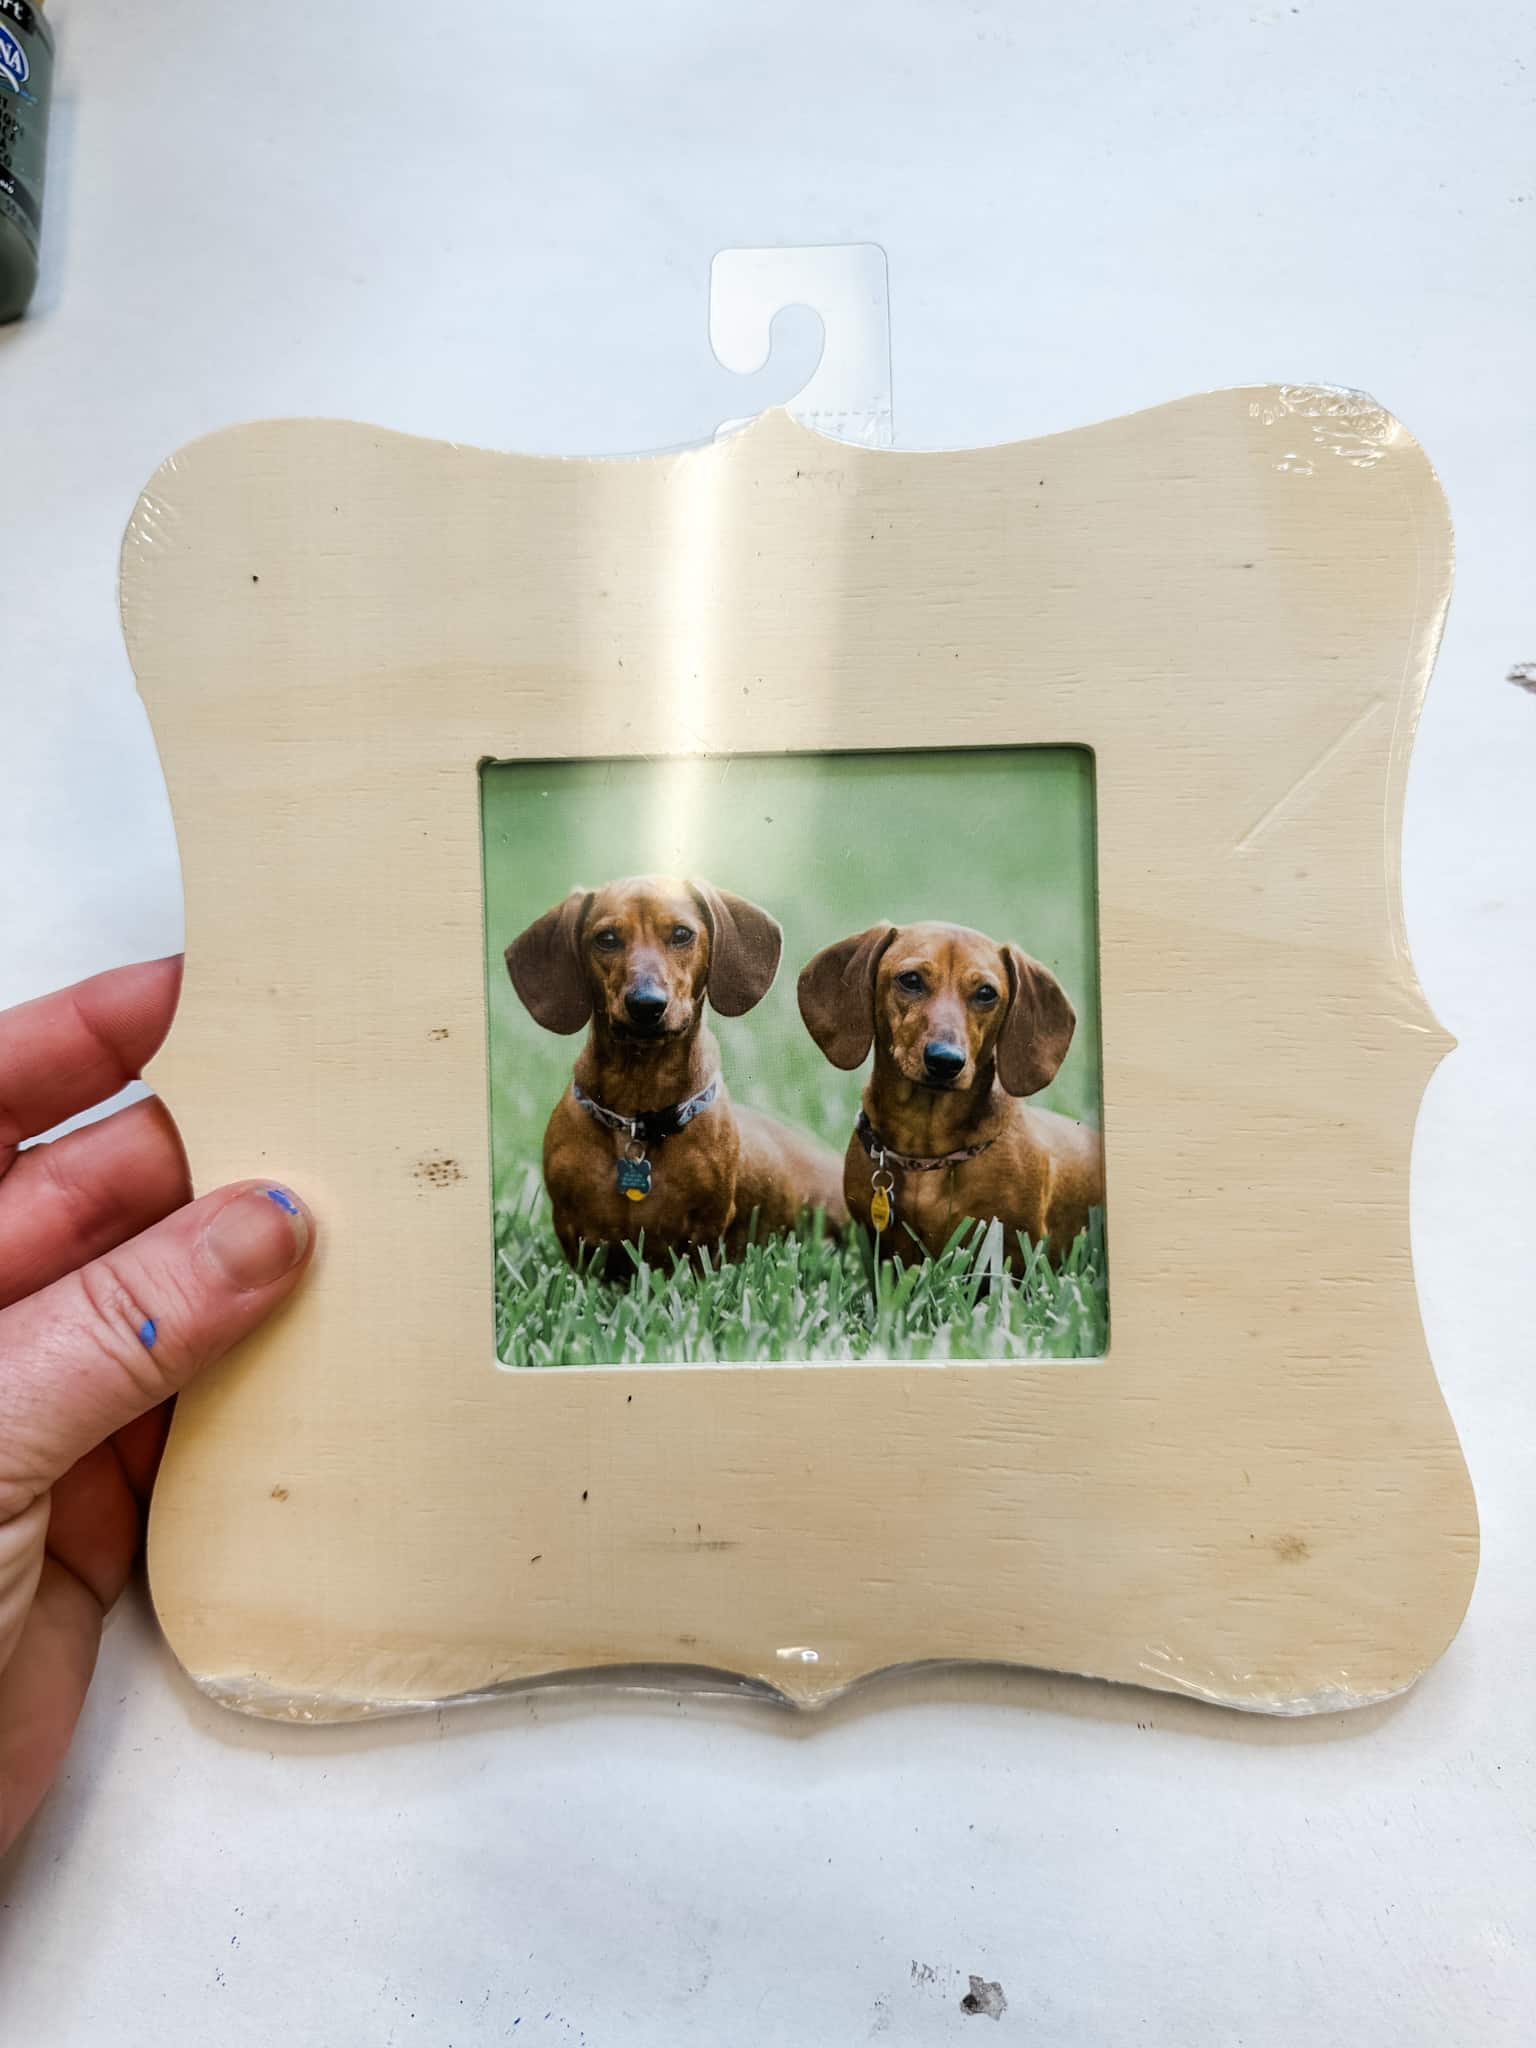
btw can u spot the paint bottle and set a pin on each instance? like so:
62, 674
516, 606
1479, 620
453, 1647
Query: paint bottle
26, 82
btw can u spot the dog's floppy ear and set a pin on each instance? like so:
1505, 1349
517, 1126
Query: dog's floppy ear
1037, 1029
744, 948
546, 966
837, 995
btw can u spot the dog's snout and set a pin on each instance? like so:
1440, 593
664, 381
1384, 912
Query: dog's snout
941, 1061
644, 1004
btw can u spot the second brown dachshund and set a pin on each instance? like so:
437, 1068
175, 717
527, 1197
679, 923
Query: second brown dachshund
963, 1027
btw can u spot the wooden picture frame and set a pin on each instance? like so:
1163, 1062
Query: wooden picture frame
1256, 1497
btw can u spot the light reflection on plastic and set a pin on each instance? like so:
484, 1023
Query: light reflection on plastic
696, 549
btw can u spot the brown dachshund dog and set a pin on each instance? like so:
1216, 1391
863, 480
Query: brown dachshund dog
962, 1028
647, 1144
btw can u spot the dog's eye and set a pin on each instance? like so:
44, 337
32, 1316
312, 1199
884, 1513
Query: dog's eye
607, 941
682, 935
911, 981
985, 996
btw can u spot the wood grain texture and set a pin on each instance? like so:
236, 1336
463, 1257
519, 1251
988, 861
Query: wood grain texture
1258, 1498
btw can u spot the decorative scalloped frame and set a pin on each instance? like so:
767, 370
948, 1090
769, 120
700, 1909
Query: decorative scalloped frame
1258, 1498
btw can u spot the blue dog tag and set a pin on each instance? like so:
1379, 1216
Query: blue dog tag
635, 1178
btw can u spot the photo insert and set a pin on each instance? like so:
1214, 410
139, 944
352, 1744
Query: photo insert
795, 1059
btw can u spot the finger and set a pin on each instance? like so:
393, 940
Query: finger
42, 1689
138, 1445
69, 1051
90, 1523
65, 1203
94, 1523
95, 1350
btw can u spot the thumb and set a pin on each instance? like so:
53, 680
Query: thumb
85, 1356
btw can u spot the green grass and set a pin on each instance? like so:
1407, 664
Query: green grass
1003, 841
805, 1297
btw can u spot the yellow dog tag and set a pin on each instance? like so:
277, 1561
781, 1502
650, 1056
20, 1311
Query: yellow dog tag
880, 1209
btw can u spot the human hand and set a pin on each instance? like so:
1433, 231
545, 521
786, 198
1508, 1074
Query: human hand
114, 1290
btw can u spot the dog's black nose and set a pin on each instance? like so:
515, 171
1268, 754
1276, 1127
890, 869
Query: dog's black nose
645, 1006
942, 1062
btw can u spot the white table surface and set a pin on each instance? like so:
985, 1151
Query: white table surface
494, 224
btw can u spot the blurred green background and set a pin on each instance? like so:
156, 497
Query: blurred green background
828, 843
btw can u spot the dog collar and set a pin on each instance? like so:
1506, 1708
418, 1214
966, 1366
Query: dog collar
883, 1155
652, 1125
